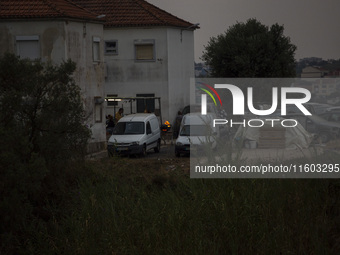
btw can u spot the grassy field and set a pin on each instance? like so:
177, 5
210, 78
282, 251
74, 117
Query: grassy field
151, 206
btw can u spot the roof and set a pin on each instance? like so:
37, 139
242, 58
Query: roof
309, 69
196, 118
33, 9
132, 13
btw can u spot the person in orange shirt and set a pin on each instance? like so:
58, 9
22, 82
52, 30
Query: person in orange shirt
119, 114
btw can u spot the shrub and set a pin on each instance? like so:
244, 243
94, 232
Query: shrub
41, 130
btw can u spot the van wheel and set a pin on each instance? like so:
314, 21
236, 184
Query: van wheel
177, 154
143, 154
158, 148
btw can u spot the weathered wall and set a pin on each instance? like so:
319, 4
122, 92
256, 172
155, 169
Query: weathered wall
125, 76
166, 77
51, 37
181, 68
89, 74
61, 40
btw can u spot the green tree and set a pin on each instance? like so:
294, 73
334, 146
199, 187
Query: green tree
42, 103
41, 130
251, 49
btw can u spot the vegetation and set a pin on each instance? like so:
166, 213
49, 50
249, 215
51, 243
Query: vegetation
133, 206
54, 202
42, 105
251, 49
41, 130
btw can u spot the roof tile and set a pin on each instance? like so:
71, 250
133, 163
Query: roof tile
118, 13
26, 9
122, 13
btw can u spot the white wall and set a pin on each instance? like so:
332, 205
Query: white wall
166, 77
181, 68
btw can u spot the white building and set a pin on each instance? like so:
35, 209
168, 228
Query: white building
57, 32
148, 52
124, 48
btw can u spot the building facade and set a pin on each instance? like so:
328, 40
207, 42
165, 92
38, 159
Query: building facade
125, 48
148, 52
57, 32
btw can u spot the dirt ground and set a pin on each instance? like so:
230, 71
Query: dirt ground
166, 160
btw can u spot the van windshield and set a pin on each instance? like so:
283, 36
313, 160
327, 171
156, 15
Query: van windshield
129, 128
195, 130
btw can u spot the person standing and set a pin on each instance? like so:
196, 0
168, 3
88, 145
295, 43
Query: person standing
119, 114
177, 124
110, 124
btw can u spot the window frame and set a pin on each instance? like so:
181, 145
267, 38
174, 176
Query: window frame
96, 41
98, 110
28, 38
145, 42
115, 48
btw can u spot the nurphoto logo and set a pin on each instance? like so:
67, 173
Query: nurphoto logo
239, 102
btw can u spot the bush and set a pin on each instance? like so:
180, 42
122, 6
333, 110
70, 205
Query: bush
42, 103
41, 130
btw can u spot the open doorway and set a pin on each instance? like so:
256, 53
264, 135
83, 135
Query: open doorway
145, 104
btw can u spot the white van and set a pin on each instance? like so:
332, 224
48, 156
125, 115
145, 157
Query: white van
196, 130
135, 134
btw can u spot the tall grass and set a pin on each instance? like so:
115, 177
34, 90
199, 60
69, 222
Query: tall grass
133, 206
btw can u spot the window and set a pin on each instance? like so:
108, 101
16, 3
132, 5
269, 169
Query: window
98, 109
144, 50
111, 47
112, 102
96, 49
128, 128
98, 113
148, 128
28, 46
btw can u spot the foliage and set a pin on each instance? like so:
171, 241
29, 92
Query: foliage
138, 206
132, 206
41, 130
42, 104
251, 49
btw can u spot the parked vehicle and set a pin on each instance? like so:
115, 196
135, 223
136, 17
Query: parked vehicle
333, 116
317, 108
324, 129
196, 131
333, 108
135, 134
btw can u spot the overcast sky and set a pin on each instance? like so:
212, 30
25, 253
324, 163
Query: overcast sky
312, 25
